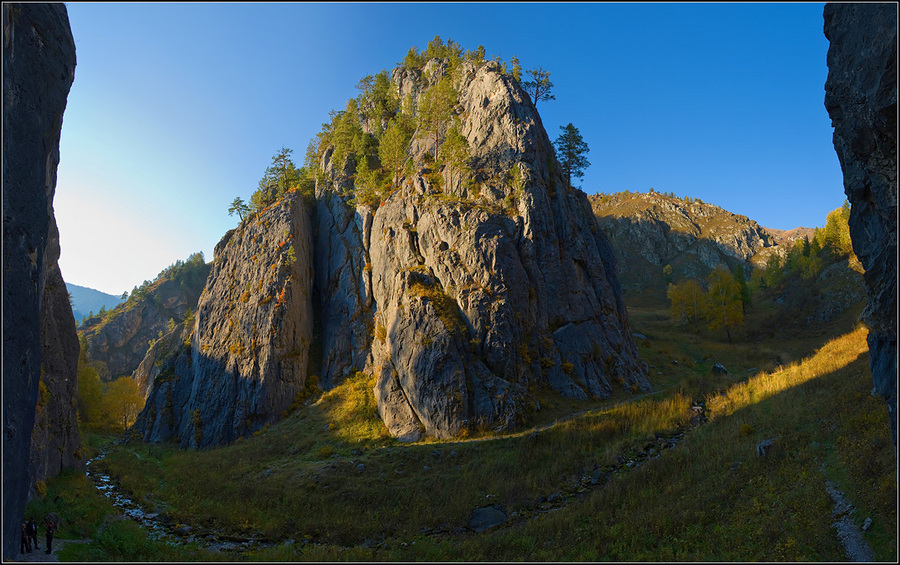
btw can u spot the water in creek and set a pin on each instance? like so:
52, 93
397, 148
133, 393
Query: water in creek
160, 526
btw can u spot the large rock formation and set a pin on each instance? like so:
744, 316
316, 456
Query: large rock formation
461, 293
476, 291
38, 70
247, 355
652, 230
120, 339
861, 98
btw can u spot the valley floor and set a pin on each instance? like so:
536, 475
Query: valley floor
677, 475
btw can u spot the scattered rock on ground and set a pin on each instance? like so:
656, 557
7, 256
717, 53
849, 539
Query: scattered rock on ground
486, 518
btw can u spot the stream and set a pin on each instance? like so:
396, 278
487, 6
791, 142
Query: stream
161, 527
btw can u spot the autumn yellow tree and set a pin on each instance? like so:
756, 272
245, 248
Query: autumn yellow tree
723, 301
122, 403
687, 301
90, 390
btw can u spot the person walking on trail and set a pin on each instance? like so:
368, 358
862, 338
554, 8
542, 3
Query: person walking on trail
50, 529
25, 543
32, 533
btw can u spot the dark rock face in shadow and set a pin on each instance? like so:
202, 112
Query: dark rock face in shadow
861, 99
38, 71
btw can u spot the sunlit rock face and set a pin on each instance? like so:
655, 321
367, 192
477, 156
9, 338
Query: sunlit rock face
861, 99
38, 70
245, 358
465, 300
461, 298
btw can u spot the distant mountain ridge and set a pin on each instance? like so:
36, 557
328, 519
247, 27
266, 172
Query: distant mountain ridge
787, 236
86, 300
651, 230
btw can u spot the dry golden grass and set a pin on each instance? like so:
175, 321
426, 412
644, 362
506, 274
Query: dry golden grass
834, 355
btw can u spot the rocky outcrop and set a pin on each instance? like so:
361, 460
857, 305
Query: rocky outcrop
861, 99
461, 294
479, 293
38, 70
245, 360
120, 340
652, 230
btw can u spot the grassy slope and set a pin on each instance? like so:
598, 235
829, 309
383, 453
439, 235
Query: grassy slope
710, 498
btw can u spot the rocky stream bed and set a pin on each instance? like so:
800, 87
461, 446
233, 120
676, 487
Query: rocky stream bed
162, 527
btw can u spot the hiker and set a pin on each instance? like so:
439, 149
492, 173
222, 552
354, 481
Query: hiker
25, 544
31, 530
50, 529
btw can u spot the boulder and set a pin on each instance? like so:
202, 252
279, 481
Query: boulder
485, 518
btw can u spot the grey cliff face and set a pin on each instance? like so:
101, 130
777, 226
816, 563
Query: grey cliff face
123, 339
475, 297
55, 441
457, 297
38, 70
343, 287
861, 99
248, 352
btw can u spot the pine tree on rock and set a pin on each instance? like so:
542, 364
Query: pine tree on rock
539, 86
571, 151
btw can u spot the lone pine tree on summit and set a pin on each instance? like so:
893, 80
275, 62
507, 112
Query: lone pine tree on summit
539, 86
571, 150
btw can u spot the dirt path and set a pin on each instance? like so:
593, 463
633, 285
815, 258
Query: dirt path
40, 555
855, 546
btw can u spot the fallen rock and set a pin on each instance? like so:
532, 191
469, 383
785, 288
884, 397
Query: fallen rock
486, 518
764, 447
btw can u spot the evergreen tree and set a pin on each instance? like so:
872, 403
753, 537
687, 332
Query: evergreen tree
515, 69
435, 110
456, 152
539, 86
239, 207
394, 145
571, 151
740, 277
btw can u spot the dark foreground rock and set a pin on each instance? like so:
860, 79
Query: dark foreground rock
38, 70
861, 98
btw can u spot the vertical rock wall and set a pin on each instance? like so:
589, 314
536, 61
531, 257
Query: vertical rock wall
861, 99
55, 441
469, 298
249, 349
38, 70
462, 298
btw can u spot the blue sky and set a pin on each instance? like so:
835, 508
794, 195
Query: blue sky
178, 107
